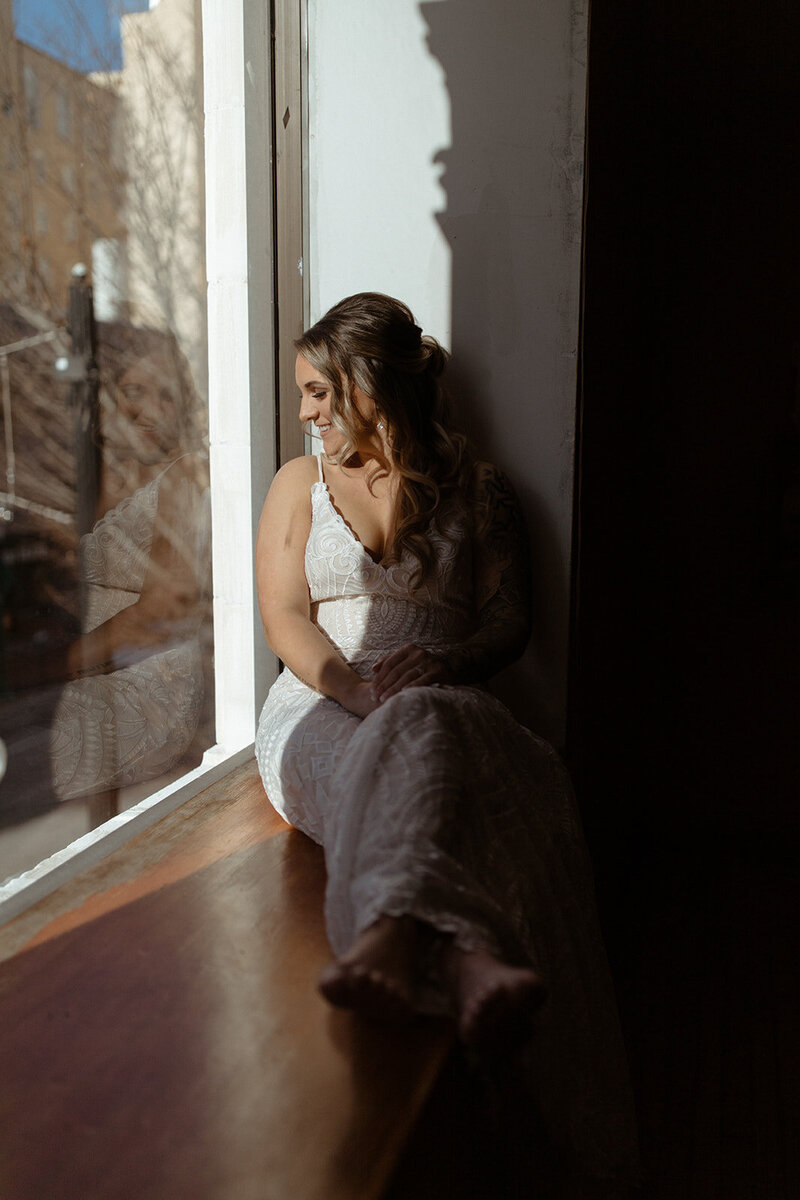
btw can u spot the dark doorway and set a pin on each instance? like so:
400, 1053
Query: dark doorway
686, 643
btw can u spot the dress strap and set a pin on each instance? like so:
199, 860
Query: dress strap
319, 464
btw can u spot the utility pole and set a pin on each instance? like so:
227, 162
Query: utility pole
84, 399
80, 371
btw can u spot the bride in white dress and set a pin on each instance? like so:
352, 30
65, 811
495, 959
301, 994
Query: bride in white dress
392, 575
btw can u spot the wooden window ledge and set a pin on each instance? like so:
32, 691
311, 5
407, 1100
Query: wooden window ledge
161, 1034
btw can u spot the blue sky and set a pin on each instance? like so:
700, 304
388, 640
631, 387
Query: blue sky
82, 33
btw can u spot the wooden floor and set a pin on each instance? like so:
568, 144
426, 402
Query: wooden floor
161, 1036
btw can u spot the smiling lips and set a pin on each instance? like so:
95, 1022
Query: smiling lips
322, 430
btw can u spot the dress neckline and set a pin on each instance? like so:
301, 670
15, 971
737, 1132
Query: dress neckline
372, 555
375, 562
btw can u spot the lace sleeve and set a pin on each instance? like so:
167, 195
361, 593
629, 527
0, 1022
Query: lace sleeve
501, 581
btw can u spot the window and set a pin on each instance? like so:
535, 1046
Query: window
118, 140
39, 170
11, 157
33, 111
14, 210
70, 228
68, 180
241, 355
98, 131
85, 657
41, 219
63, 115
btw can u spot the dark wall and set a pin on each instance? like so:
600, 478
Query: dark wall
686, 645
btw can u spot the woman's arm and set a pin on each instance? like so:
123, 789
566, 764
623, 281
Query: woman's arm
502, 595
283, 592
172, 590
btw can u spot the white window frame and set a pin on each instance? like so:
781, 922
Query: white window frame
242, 417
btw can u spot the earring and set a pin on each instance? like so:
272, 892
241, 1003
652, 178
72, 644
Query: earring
380, 424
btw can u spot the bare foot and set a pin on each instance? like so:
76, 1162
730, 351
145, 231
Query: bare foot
376, 976
496, 1003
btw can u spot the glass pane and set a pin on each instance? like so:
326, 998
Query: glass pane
106, 649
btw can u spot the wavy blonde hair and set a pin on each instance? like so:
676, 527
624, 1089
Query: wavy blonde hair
372, 342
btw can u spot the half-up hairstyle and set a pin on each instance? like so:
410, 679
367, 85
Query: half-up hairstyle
372, 342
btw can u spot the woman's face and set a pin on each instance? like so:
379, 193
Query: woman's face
315, 405
144, 423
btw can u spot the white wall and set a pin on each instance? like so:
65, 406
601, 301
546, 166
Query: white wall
446, 152
379, 112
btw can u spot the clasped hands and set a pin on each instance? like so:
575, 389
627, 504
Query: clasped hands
410, 666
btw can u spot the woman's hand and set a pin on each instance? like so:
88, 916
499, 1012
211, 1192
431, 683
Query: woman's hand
410, 666
359, 699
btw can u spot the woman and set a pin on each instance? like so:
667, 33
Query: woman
392, 582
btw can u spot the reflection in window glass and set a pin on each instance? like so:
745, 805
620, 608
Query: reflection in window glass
106, 650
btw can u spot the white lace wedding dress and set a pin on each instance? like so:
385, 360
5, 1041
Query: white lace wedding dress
440, 805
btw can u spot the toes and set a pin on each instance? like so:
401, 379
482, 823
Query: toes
365, 991
482, 1024
381, 998
501, 1017
335, 985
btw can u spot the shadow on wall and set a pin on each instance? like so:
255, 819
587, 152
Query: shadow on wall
513, 180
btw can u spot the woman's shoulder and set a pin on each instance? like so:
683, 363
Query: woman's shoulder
487, 474
290, 489
191, 467
494, 501
297, 474
489, 484
286, 515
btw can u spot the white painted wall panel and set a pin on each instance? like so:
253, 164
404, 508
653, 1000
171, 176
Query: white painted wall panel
378, 113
